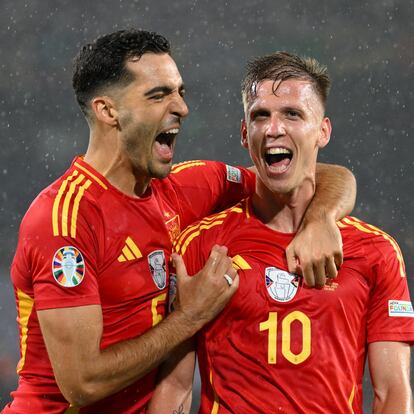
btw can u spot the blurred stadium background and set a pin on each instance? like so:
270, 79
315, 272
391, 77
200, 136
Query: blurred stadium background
368, 47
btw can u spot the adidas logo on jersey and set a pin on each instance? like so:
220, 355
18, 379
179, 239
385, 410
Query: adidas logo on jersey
130, 251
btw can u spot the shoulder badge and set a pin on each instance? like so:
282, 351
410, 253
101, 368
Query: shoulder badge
402, 308
68, 266
233, 174
281, 285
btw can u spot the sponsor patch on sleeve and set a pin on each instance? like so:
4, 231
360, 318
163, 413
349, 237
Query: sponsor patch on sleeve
233, 174
402, 308
68, 266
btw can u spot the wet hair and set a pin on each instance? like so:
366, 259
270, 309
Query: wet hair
280, 66
102, 63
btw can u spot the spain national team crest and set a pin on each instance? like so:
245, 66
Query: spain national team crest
156, 261
68, 266
173, 226
281, 285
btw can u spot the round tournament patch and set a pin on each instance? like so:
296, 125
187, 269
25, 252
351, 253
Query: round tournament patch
281, 285
68, 266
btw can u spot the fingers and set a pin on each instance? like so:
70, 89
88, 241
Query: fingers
308, 276
217, 255
205, 294
319, 274
292, 261
330, 268
339, 259
236, 281
316, 274
219, 263
178, 262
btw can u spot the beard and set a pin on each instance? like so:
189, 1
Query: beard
138, 141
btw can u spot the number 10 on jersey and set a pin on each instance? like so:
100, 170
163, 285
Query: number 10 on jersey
271, 325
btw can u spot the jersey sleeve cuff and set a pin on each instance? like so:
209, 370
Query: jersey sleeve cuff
59, 303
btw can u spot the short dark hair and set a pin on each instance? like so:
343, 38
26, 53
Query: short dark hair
102, 63
281, 66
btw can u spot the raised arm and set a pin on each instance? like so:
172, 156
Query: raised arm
85, 373
316, 251
389, 365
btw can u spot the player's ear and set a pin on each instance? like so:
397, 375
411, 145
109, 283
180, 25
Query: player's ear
325, 135
105, 111
243, 134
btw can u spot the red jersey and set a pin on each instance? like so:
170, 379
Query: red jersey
83, 242
279, 347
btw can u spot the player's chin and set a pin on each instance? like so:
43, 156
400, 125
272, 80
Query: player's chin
161, 169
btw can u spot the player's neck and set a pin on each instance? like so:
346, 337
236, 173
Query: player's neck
282, 212
105, 155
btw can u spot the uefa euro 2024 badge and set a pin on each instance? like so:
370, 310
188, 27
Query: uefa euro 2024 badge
68, 266
281, 285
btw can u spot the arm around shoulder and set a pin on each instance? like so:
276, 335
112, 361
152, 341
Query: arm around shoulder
316, 251
335, 192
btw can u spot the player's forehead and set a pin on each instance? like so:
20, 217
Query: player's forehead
154, 69
291, 92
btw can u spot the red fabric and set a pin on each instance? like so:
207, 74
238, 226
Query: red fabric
233, 350
104, 219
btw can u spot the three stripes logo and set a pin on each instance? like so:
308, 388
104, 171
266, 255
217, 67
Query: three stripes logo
130, 251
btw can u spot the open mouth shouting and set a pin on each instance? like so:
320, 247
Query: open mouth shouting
164, 144
278, 159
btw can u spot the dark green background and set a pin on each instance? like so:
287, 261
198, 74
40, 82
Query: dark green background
368, 47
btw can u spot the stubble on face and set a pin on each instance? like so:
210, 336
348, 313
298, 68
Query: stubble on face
137, 142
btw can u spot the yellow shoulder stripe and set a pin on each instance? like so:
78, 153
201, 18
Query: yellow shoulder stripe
185, 238
176, 169
368, 228
181, 248
25, 306
190, 229
179, 164
77, 184
98, 180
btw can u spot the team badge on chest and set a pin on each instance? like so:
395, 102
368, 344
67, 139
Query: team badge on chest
281, 285
156, 261
68, 266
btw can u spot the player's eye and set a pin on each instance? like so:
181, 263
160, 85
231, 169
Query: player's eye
259, 114
158, 97
291, 113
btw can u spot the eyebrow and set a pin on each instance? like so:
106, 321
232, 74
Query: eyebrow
163, 89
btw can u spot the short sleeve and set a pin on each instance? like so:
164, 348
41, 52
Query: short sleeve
390, 313
59, 270
206, 187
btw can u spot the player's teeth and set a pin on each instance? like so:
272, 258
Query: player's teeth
274, 151
172, 131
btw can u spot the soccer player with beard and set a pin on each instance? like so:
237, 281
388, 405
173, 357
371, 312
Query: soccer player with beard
279, 347
90, 271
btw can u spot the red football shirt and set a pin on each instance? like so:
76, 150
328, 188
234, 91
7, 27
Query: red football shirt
279, 347
83, 242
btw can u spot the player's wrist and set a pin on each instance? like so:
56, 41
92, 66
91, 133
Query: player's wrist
317, 216
185, 322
